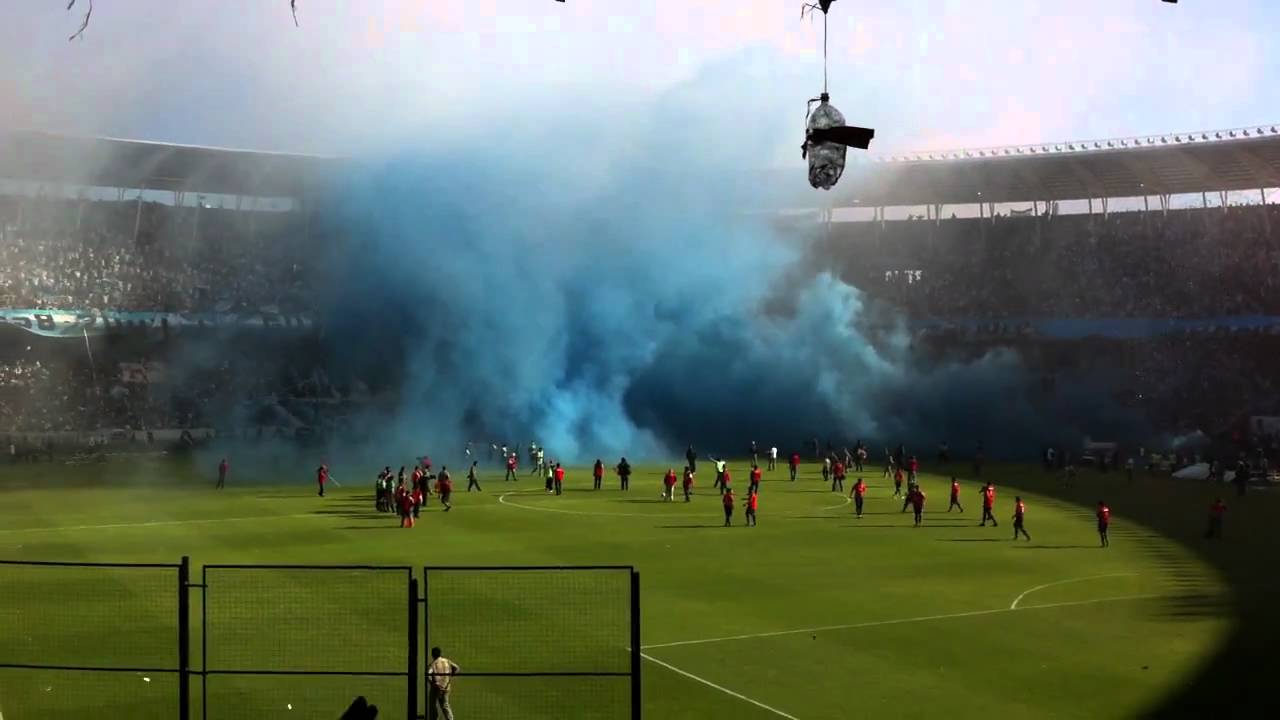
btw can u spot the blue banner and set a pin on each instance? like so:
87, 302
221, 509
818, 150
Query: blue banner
1114, 328
67, 323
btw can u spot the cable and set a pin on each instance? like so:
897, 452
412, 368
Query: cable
824, 53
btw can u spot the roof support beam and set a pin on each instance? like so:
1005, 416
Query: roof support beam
1092, 184
1205, 172
1265, 175
1151, 182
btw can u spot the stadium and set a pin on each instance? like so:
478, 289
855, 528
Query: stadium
278, 428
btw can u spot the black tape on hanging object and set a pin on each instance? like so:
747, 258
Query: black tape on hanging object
823, 5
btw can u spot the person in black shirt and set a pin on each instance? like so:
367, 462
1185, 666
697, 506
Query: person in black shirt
692, 457
624, 473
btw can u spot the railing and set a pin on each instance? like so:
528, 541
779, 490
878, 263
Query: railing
302, 641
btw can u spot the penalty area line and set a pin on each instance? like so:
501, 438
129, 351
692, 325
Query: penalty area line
902, 621
714, 686
1014, 604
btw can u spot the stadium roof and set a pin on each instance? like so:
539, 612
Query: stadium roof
1226, 160
110, 162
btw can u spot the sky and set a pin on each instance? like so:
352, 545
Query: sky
927, 74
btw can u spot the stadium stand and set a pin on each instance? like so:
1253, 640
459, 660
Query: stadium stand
1173, 310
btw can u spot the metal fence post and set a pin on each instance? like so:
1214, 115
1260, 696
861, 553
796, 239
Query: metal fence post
636, 695
426, 621
414, 648
184, 639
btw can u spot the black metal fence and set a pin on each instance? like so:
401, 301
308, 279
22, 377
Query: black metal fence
537, 642
302, 641
93, 635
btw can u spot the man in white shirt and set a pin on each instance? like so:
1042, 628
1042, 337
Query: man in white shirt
773, 458
440, 682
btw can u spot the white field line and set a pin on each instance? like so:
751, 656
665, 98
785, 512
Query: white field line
724, 690
900, 621
154, 523
1014, 604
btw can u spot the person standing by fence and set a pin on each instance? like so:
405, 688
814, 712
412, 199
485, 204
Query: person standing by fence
440, 678
222, 474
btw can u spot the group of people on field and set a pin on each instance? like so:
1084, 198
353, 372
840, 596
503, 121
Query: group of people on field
393, 494
407, 495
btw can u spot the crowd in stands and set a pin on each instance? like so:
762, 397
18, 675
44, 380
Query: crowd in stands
1199, 263
982, 282
73, 254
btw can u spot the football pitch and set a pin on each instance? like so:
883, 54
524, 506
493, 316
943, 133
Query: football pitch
812, 614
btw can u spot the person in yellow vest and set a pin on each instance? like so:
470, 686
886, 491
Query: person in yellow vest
440, 682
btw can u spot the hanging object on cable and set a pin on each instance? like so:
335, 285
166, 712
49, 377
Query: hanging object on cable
826, 136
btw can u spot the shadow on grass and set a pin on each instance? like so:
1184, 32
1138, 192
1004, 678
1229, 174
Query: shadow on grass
1033, 546
689, 527
906, 525
1237, 681
971, 540
373, 527
287, 496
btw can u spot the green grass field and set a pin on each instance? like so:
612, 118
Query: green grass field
812, 614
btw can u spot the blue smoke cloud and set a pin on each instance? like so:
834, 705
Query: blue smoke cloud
589, 277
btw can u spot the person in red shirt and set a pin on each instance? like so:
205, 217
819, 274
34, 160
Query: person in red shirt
322, 476
1104, 523
444, 487
1019, 513
416, 498
988, 504
917, 504
511, 468
727, 498
1216, 512
794, 464
897, 481
222, 475
857, 493
559, 478
688, 482
725, 480
955, 496
404, 501
404, 507
837, 476
754, 485
415, 490
597, 473
669, 485
913, 467
753, 501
